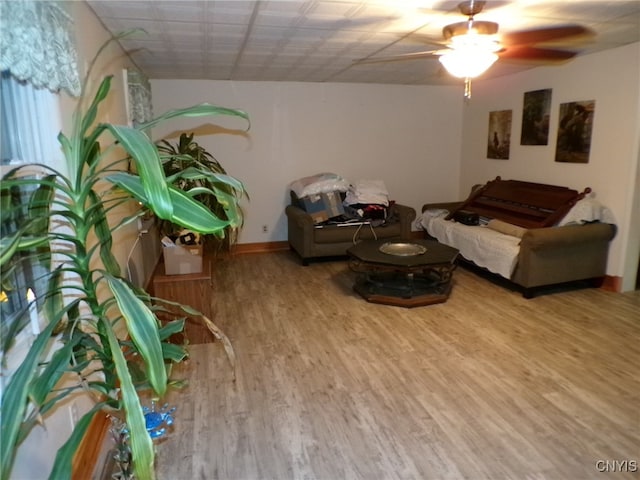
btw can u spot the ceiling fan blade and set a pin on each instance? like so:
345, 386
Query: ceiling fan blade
396, 58
535, 54
547, 34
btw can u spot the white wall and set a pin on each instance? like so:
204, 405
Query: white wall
405, 135
612, 79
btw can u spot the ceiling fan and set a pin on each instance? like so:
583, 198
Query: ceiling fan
472, 46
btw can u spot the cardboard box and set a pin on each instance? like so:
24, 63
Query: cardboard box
182, 259
323, 206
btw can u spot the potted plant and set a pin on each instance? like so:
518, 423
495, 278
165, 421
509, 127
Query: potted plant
191, 168
84, 314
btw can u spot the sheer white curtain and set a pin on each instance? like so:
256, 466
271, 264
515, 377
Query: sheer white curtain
37, 57
30, 123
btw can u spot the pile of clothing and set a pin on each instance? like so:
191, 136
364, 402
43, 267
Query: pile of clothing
368, 200
331, 199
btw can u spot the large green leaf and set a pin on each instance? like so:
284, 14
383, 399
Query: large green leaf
149, 167
228, 202
43, 385
186, 211
10, 244
193, 173
171, 328
92, 112
140, 441
67, 148
174, 353
103, 233
14, 399
11, 328
230, 205
63, 465
53, 302
91, 150
142, 326
202, 110
39, 207
212, 327
193, 215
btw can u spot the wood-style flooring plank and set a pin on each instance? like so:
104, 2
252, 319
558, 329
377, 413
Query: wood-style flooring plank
488, 385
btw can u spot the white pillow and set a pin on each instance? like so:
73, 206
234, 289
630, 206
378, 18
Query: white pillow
587, 210
367, 191
319, 183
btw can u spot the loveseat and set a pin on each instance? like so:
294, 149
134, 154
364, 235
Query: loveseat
532, 234
312, 241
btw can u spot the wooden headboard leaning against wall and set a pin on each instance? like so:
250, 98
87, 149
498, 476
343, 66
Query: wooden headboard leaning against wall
526, 204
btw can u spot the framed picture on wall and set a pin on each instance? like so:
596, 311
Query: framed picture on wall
574, 131
499, 138
535, 117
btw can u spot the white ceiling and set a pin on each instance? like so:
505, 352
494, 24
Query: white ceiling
317, 40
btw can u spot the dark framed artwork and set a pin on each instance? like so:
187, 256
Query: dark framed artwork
535, 117
574, 131
499, 138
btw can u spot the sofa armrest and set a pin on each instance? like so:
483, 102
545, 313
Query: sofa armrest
554, 255
300, 232
297, 215
406, 215
451, 206
568, 235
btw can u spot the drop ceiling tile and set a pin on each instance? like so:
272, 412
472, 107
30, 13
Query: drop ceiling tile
317, 40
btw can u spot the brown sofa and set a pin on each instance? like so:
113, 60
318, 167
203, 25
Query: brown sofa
548, 254
310, 241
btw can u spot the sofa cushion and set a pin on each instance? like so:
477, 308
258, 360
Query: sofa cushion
354, 233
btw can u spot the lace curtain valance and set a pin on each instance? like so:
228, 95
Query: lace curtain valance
36, 45
139, 97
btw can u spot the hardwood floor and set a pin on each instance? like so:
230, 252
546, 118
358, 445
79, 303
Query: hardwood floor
486, 386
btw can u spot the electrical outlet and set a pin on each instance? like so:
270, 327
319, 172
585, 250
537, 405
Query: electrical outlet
265, 229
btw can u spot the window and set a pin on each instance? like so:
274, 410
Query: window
30, 124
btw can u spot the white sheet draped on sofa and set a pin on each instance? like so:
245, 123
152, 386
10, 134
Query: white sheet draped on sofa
496, 251
488, 248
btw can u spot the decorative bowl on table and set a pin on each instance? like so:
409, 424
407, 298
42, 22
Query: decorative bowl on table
402, 249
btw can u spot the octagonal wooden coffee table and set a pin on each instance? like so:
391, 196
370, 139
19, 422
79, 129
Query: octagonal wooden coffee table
404, 274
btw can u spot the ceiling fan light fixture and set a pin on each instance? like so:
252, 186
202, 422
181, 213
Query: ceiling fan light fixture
468, 62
